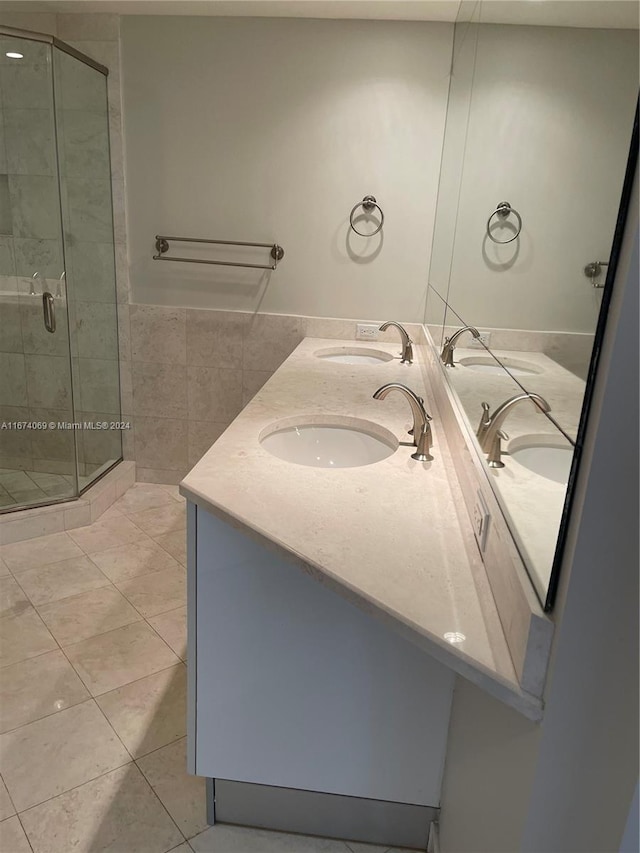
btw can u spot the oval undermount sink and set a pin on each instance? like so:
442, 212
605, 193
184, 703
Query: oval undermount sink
546, 457
330, 445
490, 365
354, 355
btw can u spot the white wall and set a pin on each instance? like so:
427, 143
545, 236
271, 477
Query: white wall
549, 131
261, 130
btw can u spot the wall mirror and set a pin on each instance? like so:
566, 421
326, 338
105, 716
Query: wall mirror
536, 159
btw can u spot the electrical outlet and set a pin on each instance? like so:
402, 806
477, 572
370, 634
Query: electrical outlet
367, 332
481, 519
483, 341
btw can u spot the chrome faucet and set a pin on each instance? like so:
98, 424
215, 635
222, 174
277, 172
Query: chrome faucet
490, 434
407, 343
446, 356
421, 432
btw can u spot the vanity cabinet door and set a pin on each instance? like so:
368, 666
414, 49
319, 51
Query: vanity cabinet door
294, 686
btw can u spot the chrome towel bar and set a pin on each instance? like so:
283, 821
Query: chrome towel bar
162, 247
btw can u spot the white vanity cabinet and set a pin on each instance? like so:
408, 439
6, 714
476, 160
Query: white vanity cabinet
294, 687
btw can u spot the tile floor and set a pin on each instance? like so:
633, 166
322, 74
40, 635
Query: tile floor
93, 693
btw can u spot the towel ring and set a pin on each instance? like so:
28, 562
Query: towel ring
368, 204
503, 210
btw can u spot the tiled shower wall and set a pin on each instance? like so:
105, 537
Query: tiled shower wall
34, 366
22, 332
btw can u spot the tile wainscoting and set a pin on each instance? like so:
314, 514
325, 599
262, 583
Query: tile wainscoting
189, 372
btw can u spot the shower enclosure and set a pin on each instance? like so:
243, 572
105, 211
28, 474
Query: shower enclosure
59, 374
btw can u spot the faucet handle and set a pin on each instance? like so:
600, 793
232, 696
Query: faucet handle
485, 420
424, 443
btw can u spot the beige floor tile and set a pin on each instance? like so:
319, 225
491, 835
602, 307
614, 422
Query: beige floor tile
149, 713
172, 627
87, 615
39, 551
4, 569
61, 580
240, 839
175, 544
53, 755
13, 601
109, 514
107, 533
23, 637
118, 813
12, 837
119, 657
156, 593
143, 496
130, 561
174, 491
183, 796
183, 848
35, 688
6, 806
162, 519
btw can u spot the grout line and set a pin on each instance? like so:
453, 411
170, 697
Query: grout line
15, 810
118, 545
172, 570
24, 830
52, 714
65, 597
75, 787
155, 793
35, 539
158, 749
142, 677
117, 736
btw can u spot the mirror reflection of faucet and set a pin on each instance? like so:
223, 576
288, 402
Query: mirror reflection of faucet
407, 343
490, 434
32, 289
446, 356
421, 432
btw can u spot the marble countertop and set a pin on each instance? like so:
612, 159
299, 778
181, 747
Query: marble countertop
532, 504
387, 535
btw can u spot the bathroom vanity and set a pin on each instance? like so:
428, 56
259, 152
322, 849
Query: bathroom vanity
330, 607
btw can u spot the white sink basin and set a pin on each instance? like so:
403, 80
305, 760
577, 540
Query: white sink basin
548, 458
487, 364
330, 445
354, 355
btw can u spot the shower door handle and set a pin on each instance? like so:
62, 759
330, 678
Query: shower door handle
49, 311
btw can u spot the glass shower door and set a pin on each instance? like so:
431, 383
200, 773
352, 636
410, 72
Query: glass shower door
59, 368
37, 451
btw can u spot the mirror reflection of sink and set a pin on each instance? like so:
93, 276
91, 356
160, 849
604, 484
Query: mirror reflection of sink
354, 355
487, 364
546, 456
330, 445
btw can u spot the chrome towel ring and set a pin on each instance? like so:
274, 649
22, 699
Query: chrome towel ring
368, 204
504, 209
